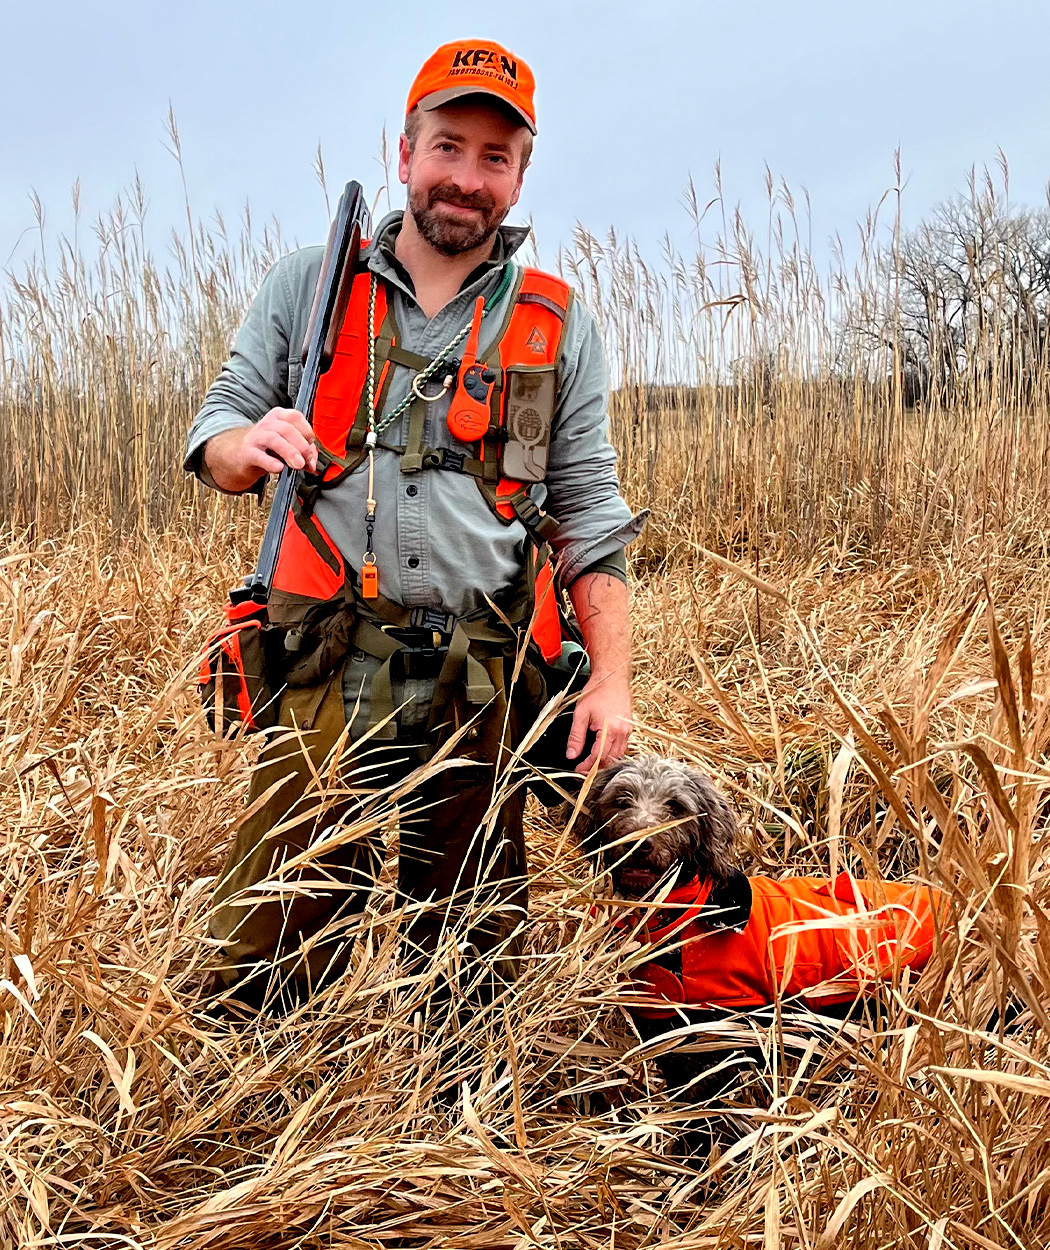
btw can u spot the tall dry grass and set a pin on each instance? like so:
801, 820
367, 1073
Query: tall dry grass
747, 409
849, 636
760, 402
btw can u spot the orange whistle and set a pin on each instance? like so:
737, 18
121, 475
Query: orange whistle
369, 581
470, 412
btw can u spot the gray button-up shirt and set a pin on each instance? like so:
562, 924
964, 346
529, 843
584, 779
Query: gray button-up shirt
437, 542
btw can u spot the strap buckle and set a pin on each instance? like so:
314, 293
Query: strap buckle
432, 620
444, 458
421, 662
532, 516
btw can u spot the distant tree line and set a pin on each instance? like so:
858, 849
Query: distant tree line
963, 304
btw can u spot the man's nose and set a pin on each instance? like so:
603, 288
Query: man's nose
468, 176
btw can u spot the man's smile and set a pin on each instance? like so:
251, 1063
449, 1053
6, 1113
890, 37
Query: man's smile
460, 208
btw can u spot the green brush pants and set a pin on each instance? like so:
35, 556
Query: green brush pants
299, 872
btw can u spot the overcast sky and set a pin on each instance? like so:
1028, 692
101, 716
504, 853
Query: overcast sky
632, 98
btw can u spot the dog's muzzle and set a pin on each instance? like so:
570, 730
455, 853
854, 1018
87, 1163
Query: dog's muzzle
635, 879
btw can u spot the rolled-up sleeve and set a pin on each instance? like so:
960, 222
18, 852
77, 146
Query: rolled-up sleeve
256, 376
583, 491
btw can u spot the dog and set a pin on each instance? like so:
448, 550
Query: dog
723, 943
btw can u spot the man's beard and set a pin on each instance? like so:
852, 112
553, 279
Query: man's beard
446, 235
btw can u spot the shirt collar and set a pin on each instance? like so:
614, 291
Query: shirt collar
383, 262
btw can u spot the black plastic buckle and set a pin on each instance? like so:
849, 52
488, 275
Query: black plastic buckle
540, 524
312, 483
421, 663
444, 458
527, 510
433, 620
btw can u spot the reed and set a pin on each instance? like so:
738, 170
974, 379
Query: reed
848, 634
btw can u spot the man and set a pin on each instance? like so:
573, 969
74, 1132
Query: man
429, 537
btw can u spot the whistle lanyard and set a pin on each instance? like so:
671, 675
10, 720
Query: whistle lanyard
369, 565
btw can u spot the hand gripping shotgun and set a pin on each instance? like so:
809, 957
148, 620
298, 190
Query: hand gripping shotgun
331, 297
233, 680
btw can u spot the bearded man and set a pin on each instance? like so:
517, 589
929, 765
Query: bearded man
431, 528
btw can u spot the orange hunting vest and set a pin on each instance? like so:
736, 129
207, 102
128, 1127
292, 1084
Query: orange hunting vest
823, 941
310, 568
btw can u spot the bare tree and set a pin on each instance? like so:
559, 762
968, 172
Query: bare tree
964, 301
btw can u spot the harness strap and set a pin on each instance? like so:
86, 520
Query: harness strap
467, 637
540, 525
399, 355
460, 658
381, 693
412, 456
302, 511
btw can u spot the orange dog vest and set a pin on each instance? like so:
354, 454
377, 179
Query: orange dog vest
808, 937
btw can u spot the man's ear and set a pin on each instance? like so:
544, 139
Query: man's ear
404, 158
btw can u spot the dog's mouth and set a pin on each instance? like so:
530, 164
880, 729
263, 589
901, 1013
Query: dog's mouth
637, 880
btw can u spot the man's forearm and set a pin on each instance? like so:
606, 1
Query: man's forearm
604, 706
600, 602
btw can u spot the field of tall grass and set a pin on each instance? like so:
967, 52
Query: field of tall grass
840, 611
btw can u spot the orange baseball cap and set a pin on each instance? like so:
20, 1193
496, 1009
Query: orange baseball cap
469, 66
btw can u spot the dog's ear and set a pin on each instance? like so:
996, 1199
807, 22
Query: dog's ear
592, 817
716, 831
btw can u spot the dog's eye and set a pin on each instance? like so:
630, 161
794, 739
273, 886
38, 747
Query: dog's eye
675, 810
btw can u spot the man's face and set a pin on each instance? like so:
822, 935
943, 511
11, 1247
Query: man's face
464, 174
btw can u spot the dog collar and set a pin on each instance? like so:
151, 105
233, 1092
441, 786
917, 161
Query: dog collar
681, 907
726, 906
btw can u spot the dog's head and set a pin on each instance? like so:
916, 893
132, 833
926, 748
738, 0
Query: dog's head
645, 816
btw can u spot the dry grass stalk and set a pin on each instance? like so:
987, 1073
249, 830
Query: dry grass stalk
813, 626
130, 1115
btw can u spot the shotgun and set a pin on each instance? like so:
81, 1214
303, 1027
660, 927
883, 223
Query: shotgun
331, 296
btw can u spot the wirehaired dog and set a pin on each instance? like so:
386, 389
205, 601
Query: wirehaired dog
724, 943
647, 816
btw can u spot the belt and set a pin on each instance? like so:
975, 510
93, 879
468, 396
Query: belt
418, 639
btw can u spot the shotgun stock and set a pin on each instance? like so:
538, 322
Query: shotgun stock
342, 250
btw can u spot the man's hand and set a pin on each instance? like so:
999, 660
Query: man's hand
604, 707
600, 603
237, 458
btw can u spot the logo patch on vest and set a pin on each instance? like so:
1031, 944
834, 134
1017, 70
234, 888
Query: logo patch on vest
529, 426
536, 342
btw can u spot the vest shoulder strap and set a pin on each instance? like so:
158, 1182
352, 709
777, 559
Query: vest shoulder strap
546, 290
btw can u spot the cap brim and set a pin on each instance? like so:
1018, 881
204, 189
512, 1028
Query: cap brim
437, 98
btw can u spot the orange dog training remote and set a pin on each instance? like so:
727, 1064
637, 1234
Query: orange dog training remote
470, 410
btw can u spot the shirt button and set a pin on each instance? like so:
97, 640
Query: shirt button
413, 562
411, 490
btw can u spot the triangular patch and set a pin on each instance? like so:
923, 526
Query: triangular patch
536, 342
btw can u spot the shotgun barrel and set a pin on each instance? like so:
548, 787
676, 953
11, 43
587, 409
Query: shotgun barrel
352, 220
